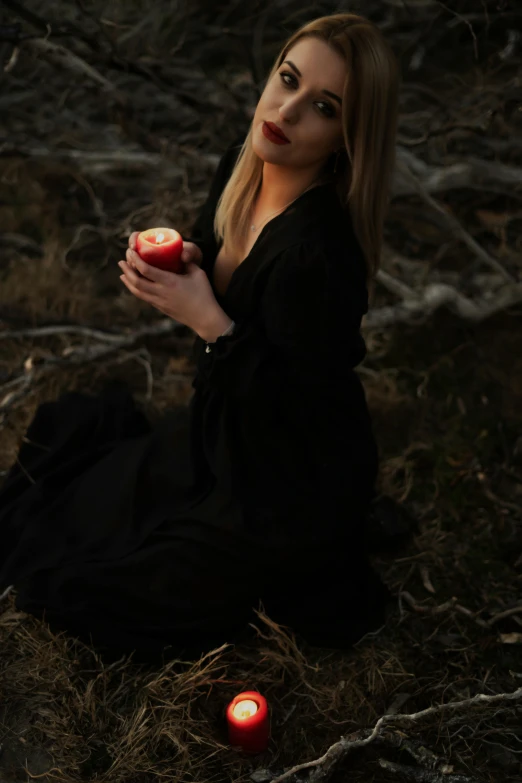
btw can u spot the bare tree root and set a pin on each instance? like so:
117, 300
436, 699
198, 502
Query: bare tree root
320, 769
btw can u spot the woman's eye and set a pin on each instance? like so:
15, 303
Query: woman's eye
282, 75
329, 112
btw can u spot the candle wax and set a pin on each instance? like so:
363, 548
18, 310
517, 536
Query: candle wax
248, 722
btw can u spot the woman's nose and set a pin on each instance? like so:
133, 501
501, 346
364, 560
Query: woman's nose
288, 112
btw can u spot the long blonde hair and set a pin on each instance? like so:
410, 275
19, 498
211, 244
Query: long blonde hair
369, 120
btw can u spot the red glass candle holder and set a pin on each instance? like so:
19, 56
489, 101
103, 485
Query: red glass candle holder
248, 722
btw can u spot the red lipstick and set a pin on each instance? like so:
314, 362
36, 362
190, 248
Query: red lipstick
274, 133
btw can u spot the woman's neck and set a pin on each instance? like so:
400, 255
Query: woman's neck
277, 189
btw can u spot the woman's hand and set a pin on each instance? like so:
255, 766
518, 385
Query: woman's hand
188, 298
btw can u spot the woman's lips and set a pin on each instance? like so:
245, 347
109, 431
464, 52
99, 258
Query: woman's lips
271, 136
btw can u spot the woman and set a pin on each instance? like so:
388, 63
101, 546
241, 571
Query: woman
163, 539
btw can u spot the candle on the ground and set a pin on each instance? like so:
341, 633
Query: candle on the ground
248, 722
162, 248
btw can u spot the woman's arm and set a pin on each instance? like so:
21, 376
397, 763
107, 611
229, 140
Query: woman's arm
218, 323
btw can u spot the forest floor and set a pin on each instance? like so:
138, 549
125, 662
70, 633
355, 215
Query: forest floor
445, 400
445, 397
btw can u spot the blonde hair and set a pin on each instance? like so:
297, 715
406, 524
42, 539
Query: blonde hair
369, 121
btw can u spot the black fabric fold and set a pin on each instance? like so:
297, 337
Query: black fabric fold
308, 320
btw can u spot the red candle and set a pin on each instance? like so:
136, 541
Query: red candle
161, 247
248, 723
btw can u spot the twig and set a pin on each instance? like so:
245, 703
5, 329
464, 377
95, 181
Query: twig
98, 161
435, 295
504, 614
468, 172
61, 28
455, 224
63, 57
345, 745
428, 609
444, 607
452, 604
466, 21
74, 355
424, 775
6, 592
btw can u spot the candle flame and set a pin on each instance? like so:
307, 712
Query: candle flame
244, 709
159, 238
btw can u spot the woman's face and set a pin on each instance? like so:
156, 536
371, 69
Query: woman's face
298, 105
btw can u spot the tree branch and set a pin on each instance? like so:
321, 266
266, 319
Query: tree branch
435, 295
18, 387
322, 767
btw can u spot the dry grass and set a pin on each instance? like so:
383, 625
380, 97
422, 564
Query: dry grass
448, 454
445, 400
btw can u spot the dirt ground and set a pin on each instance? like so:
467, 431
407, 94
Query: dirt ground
445, 398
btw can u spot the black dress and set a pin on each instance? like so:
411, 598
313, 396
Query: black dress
148, 538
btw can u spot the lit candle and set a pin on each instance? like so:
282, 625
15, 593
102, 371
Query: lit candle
161, 247
248, 722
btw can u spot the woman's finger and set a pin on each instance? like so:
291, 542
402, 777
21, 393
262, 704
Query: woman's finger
134, 260
186, 254
191, 252
137, 281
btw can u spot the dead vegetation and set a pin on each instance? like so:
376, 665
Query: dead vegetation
114, 117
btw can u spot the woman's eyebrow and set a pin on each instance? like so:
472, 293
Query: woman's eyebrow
326, 92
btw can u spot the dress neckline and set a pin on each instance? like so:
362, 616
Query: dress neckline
265, 227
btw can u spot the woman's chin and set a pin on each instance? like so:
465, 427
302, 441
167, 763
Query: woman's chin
260, 149
267, 150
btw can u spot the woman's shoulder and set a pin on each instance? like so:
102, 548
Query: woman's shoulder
339, 256
322, 221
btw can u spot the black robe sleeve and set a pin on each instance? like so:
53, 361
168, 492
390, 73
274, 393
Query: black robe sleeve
309, 317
